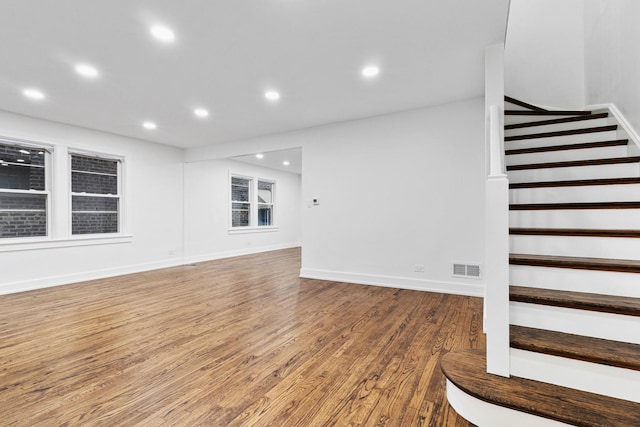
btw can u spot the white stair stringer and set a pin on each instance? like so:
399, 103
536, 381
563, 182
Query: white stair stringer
602, 193
609, 326
567, 279
611, 381
567, 155
595, 218
580, 124
561, 140
577, 246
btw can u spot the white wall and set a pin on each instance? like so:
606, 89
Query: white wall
544, 53
154, 196
206, 202
612, 55
395, 191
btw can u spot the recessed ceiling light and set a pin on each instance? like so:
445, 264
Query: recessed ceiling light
162, 33
286, 163
260, 156
24, 151
86, 70
201, 112
272, 95
149, 125
33, 94
20, 160
370, 71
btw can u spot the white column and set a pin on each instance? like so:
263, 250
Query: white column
496, 303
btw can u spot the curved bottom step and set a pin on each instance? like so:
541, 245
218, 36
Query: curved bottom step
547, 403
482, 413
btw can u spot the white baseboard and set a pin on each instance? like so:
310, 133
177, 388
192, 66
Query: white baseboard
457, 288
51, 281
238, 252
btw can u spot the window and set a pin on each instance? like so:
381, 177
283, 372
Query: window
265, 203
95, 194
240, 201
24, 190
252, 202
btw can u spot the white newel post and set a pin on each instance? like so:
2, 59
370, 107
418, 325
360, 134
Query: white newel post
496, 303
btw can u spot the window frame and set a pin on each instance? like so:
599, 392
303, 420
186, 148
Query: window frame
120, 160
48, 153
58, 185
254, 204
271, 204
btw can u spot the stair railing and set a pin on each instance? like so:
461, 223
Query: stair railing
496, 301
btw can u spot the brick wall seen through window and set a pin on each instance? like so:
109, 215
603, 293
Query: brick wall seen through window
95, 195
23, 191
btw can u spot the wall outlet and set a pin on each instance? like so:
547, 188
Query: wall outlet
418, 268
171, 252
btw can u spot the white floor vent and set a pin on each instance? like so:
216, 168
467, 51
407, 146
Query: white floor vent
466, 270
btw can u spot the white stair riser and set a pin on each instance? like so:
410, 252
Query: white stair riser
509, 120
621, 170
561, 140
566, 279
594, 378
596, 193
589, 247
582, 124
567, 155
596, 218
615, 327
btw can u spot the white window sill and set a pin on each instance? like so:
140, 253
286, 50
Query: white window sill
26, 244
245, 230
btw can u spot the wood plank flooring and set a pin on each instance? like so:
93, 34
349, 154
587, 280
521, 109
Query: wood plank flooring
235, 342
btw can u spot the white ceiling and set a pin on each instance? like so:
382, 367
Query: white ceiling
227, 53
276, 159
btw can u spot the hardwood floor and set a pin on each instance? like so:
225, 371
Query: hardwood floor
238, 342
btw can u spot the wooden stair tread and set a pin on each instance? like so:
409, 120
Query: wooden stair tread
573, 206
561, 133
523, 104
580, 146
575, 163
467, 370
587, 349
576, 183
557, 121
581, 232
546, 113
578, 263
579, 300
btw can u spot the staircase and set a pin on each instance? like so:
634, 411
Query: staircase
574, 183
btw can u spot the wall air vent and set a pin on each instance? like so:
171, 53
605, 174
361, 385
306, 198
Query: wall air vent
471, 271
459, 270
